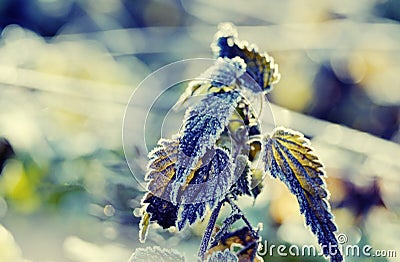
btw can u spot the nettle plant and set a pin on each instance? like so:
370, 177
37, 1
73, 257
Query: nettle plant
221, 154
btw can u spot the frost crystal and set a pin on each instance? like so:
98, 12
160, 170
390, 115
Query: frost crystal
203, 125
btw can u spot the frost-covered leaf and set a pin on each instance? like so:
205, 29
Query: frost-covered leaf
161, 167
203, 125
161, 170
212, 180
224, 72
243, 176
206, 185
210, 183
191, 213
156, 253
160, 210
289, 156
223, 256
260, 66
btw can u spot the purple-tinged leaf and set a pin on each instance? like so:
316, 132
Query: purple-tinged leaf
224, 72
289, 157
210, 184
203, 125
206, 185
259, 66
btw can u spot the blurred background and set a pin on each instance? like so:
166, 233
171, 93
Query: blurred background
68, 68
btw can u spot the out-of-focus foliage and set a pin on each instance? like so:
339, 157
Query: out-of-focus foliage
360, 199
9, 250
6, 152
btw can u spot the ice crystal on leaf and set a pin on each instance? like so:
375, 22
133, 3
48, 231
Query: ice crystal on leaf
209, 185
224, 72
203, 125
206, 185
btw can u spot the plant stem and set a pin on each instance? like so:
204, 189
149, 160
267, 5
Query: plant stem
247, 222
210, 227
